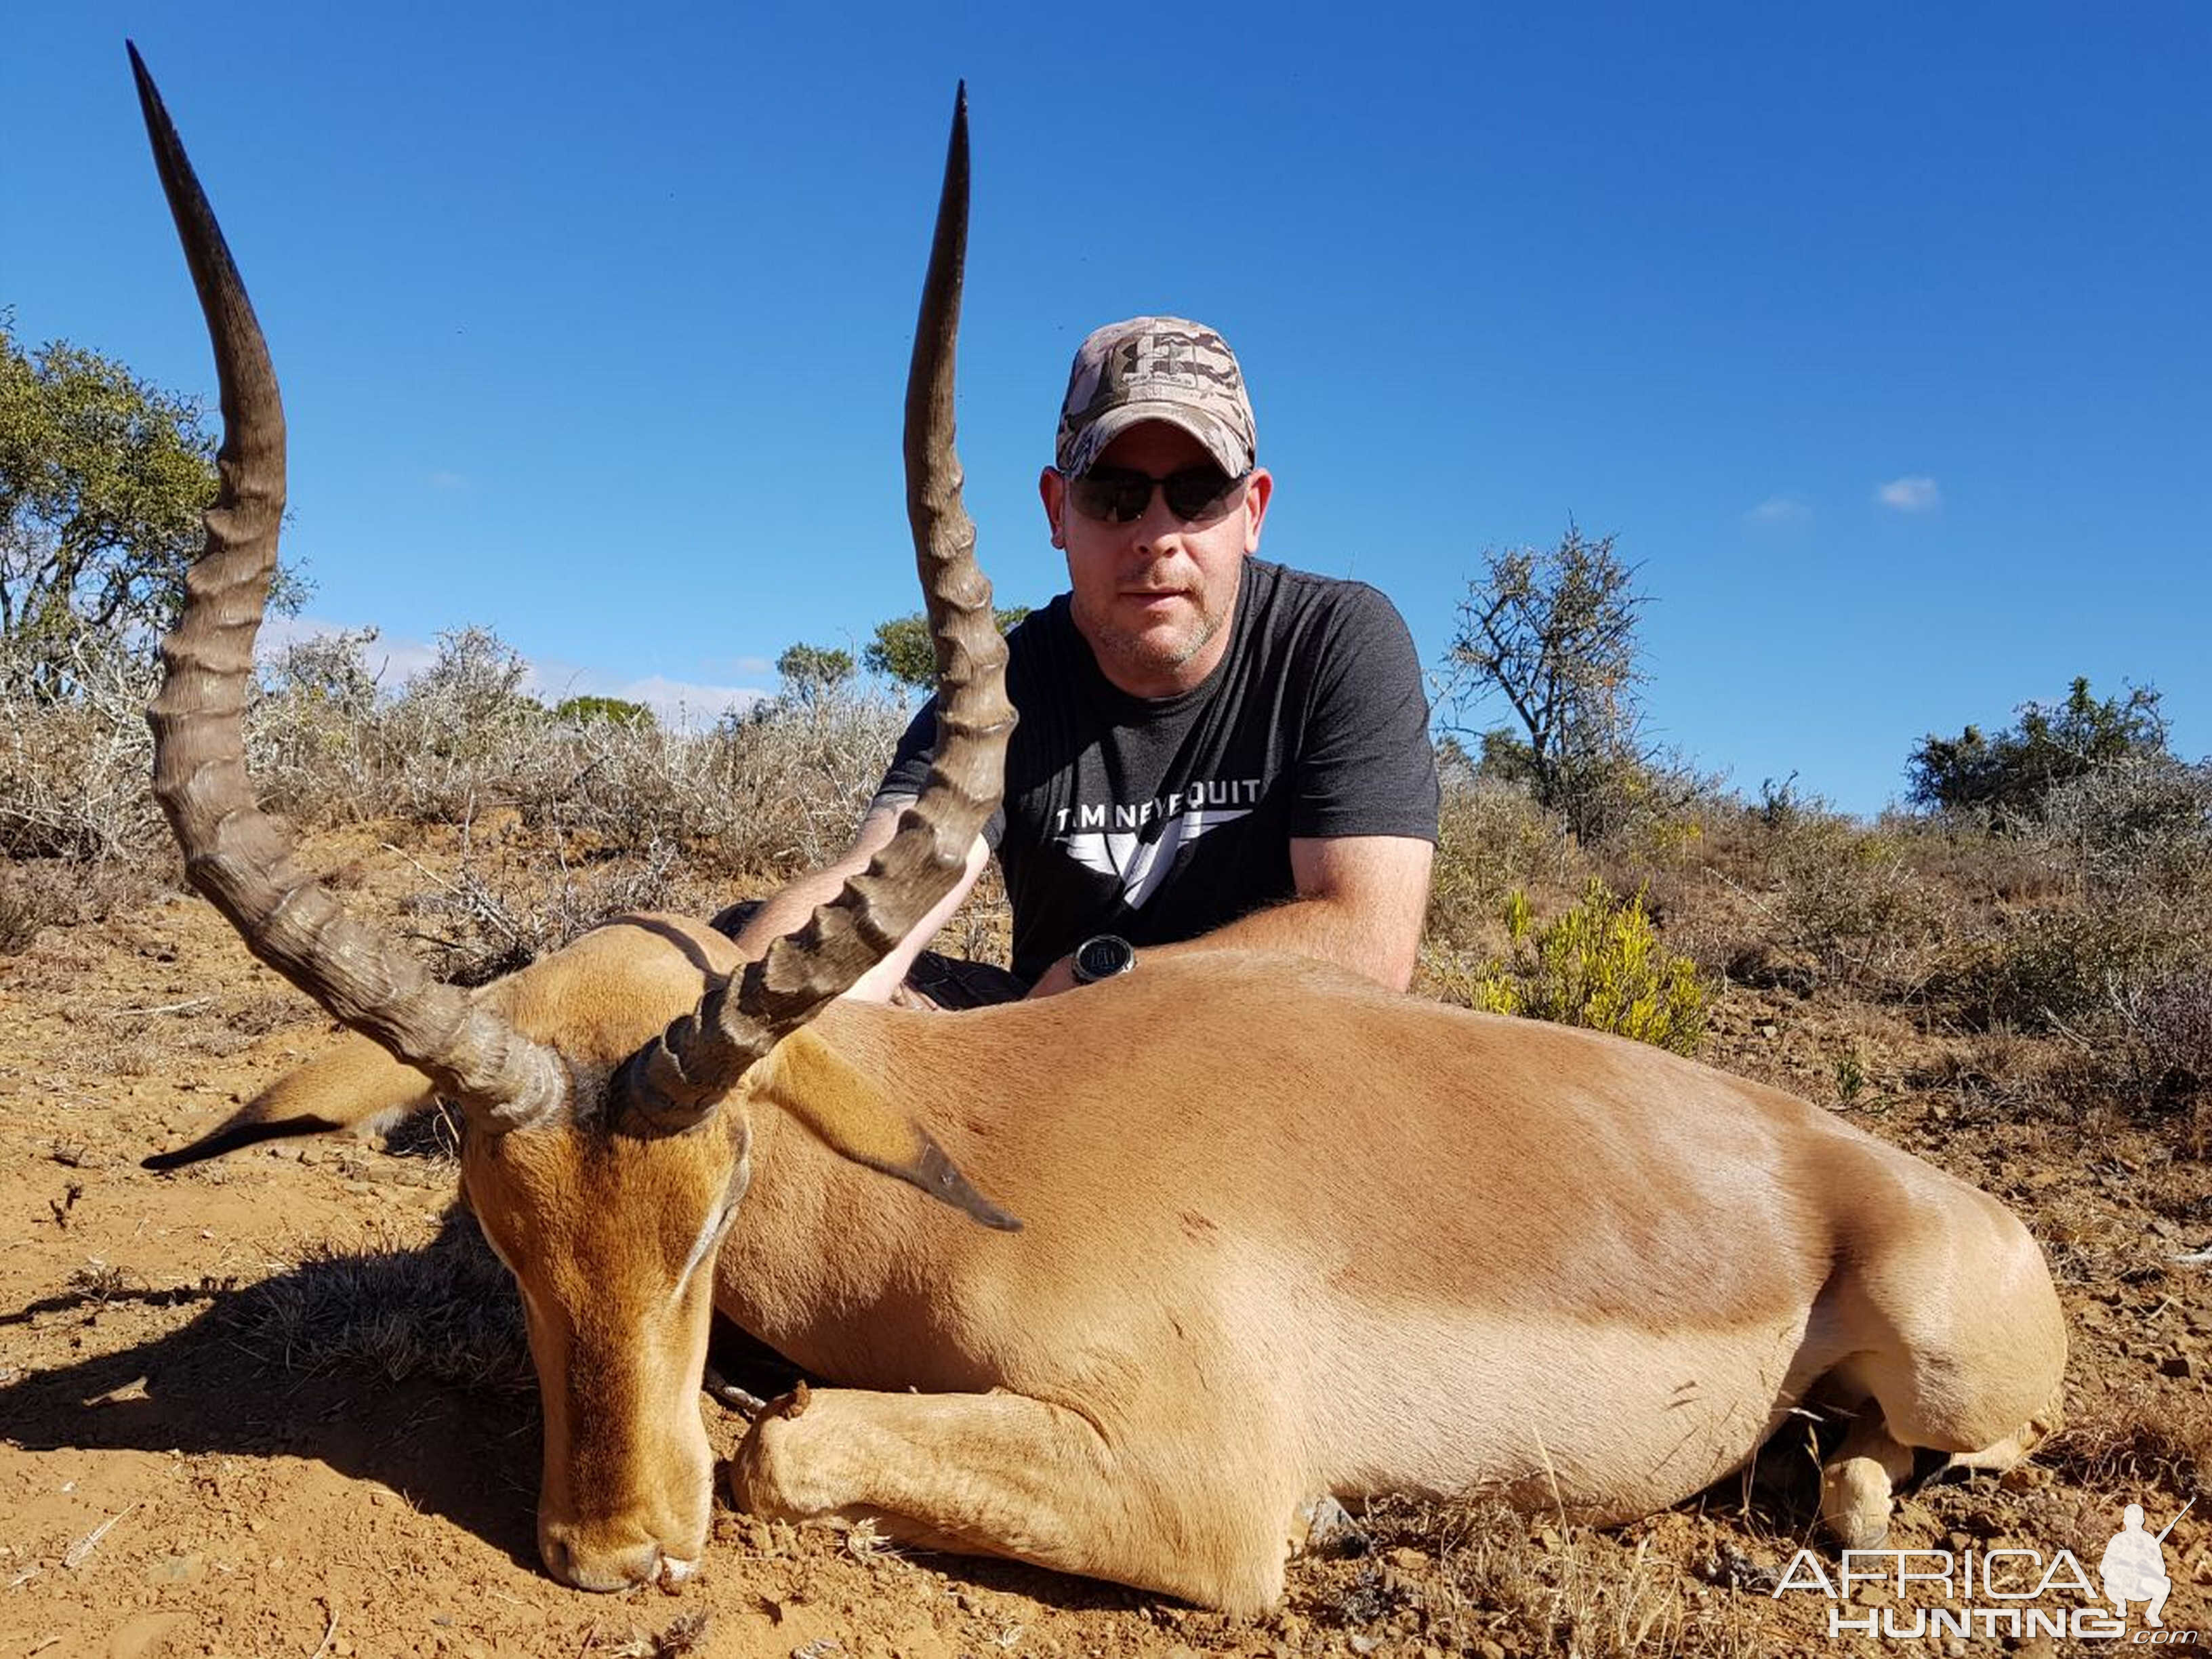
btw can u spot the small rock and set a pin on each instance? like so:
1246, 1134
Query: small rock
176, 1570
1490, 1649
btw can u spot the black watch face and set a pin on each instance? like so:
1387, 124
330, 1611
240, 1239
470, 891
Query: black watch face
1103, 957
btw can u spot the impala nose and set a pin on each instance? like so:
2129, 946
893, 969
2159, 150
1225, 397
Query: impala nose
591, 1567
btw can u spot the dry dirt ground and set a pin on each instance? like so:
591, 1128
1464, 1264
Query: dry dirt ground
276, 1404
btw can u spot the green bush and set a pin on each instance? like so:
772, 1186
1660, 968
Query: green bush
1601, 965
582, 711
2012, 773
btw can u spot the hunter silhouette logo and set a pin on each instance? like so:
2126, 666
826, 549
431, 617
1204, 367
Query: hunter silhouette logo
2133, 1567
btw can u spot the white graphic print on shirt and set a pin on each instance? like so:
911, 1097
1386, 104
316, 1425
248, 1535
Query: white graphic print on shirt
1122, 852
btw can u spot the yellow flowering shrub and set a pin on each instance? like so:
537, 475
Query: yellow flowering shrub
1601, 965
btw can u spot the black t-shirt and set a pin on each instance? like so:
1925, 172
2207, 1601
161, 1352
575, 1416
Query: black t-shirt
1163, 818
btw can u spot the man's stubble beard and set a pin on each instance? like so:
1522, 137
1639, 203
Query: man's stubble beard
1139, 654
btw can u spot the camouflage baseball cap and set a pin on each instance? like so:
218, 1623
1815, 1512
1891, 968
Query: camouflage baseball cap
1155, 368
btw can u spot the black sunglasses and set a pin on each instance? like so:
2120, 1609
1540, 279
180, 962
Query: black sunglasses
1120, 495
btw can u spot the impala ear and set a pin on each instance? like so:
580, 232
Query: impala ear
844, 1110
351, 1083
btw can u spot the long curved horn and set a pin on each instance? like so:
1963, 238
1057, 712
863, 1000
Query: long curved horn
234, 854
676, 1080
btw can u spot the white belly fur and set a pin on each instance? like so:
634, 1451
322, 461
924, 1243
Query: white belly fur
1603, 1421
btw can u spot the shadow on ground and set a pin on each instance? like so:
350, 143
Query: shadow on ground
407, 1367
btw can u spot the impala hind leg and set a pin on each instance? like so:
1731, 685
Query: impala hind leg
1858, 1479
1960, 1348
1004, 1475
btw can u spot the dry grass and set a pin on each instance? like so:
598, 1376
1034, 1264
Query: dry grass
1487, 1574
683, 1635
39, 893
2138, 1439
448, 1312
1493, 841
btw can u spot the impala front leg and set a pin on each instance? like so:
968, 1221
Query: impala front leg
1004, 1475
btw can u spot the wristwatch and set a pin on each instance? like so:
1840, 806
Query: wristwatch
1101, 957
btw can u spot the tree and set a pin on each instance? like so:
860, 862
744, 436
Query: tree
102, 480
1552, 632
812, 673
2052, 744
903, 649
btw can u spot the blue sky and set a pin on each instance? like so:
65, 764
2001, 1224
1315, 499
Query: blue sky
1878, 335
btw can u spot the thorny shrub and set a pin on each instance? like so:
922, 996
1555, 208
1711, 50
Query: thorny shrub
1848, 903
37, 893
2053, 967
630, 810
73, 771
2141, 825
1492, 839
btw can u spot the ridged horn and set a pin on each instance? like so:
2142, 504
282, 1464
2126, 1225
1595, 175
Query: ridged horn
676, 1080
236, 854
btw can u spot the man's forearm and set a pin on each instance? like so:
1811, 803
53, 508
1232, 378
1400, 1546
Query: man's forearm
1328, 929
1361, 901
788, 910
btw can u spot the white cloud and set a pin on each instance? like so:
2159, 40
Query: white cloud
1910, 494
1778, 510
442, 479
